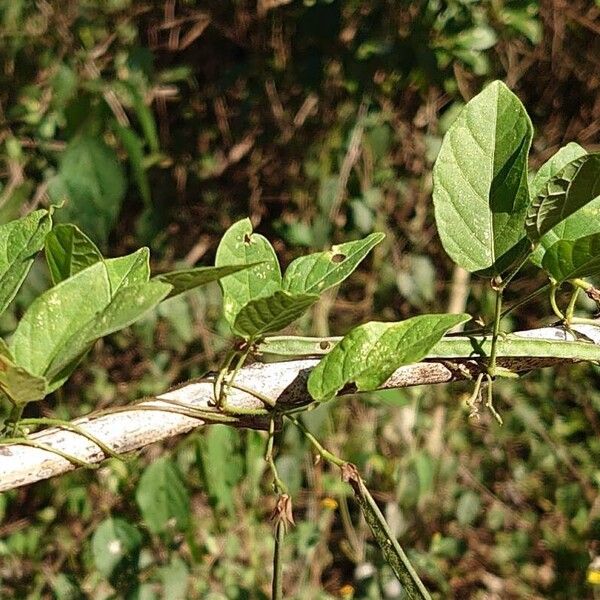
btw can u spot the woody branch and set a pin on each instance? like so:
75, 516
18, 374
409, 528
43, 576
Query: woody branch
153, 420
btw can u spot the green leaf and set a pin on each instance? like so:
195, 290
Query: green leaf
476, 38
480, 189
60, 325
513, 345
188, 279
116, 546
468, 508
272, 313
567, 259
91, 180
370, 353
221, 465
19, 385
145, 116
315, 273
425, 470
240, 245
68, 251
553, 165
19, 242
131, 296
65, 587
127, 305
135, 152
15, 200
574, 186
143, 591
163, 498
582, 222
44, 332
128, 270
174, 578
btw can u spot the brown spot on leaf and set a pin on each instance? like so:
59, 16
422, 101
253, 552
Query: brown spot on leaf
338, 258
324, 345
247, 238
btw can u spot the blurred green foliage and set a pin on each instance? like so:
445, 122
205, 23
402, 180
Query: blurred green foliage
164, 122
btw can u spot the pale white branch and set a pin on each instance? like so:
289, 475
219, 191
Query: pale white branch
151, 421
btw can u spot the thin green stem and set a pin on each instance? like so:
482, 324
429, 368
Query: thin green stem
571, 307
280, 515
496, 329
278, 485
473, 399
177, 408
490, 400
553, 289
277, 584
391, 549
269, 402
108, 451
241, 360
581, 284
525, 300
584, 321
317, 445
23, 441
512, 274
218, 382
229, 376
15, 417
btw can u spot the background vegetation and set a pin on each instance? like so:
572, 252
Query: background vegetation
162, 123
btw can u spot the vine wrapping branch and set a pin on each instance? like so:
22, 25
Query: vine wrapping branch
134, 427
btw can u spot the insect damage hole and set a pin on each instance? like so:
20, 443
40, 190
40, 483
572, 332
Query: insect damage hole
247, 238
338, 258
324, 345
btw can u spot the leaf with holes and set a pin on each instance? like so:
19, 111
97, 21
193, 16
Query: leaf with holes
315, 273
568, 259
68, 250
480, 191
184, 280
239, 246
19, 243
370, 353
264, 315
574, 186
